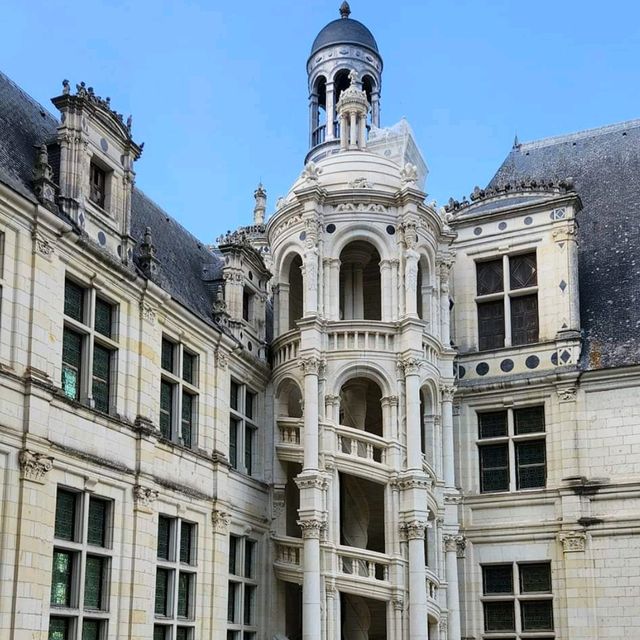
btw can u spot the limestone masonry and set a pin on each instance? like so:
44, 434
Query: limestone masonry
361, 417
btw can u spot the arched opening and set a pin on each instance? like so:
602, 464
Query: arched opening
361, 517
289, 400
340, 83
319, 111
360, 405
360, 287
296, 292
424, 290
368, 85
428, 435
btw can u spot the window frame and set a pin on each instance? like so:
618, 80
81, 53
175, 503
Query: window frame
517, 598
90, 337
246, 429
79, 548
175, 568
505, 296
105, 206
240, 584
179, 387
512, 441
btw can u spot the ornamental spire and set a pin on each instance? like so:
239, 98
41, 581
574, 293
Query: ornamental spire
345, 10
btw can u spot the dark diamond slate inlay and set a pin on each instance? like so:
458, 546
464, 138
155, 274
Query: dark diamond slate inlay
562, 285
554, 358
565, 356
506, 365
532, 362
482, 369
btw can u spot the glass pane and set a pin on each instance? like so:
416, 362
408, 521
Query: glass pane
493, 424
166, 408
499, 616
497, 579
188, 367
162, 592
101, 374
71, 362
91, 630
249, 603
528, 420
59, 629
233, 442
249, 635
523, 271
74, 301
491, 324
93, 582
233, 555
249, 404
187, 418
249, 435
160, 632
182, 633
185, 581
96, 533
535, 577
494, 467
537, 615
104, 317
249, 553
168, 349
235, 395
61, 578
524, 319
187, 531
531, 466
164, 537
65, 515
232, 602
490, 278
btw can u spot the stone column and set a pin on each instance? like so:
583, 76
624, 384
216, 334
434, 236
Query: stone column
311, 609
344, 132
220, 519
283, 309
395, 284
358, 292
447, 436
411, 281
313, 117
311, 369
451, 545
417, 581
310, 280
572, 269
385, 281
331, 116
411, 367
375, 108
362, 131
353, 131
445, 328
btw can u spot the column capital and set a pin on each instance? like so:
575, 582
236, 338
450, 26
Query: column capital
410, 366
220, 520
414, 529
391, 401
332, 400
573, 541
312, 365
311, 482
312, 529
144, 498
454, 543
34, 466
448, 391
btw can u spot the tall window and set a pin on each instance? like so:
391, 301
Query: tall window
512, 452
517, 601
243, 429
243, 589
89, 347
178, 393
97, 185
81, 569
174, 602
507, 299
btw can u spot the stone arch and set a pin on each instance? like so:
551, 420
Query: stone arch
360, 282
371, 234
361, 405
370, 370
429, 432
425, 287
290, 291
318, 106
289, 399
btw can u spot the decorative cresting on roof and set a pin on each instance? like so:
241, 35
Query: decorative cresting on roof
86, 94
43, 184
242, 236
527, 186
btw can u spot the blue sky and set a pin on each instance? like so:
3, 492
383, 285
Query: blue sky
218, 89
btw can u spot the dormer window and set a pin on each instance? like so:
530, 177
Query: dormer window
98, 185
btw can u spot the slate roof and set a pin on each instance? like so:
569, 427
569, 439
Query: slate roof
188, 270
344, 31
605, 166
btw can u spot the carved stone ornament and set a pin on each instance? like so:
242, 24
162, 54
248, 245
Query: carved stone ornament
398, 604
568, 394
43, 246
311, 482
409, 173
453, 543
410, 366
370, 207
360, 183
312, 529
148, 313
448, 391
220, 520
311, 172
34, 466
222, 359
312, 365
573, 541
144, 497
415, 529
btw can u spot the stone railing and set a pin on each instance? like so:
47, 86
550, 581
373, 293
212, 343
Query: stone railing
288, 551
433, 584
360, 444
361, 563
430, 350
289, 429
349, 335
286, 347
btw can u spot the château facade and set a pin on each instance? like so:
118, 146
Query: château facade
362, 417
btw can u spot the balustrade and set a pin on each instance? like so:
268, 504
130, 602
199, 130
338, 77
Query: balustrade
360, 444
286, 348
288, 551
290, 430
361, 563
349, 336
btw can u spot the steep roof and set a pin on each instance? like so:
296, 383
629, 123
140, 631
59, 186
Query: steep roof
187, 268
605, 166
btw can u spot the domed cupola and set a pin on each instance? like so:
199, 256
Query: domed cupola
342, 47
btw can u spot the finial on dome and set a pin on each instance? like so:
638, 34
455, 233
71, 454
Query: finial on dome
345, 10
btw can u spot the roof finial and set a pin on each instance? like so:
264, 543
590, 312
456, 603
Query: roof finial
345, 9
516, 142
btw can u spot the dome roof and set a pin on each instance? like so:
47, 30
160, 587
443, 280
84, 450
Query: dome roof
344, 30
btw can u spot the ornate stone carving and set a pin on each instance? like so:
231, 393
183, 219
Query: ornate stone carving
312, 365
311, 482
573, 541
448, 391
409, 174
310, 173
410, 366
147, 313
452, 499
567, 394
220, 520
312, 529
410, 233
414, 529
43, 246
453, 542
34, 465
350, 206
43, 184
149, 263
144, 497
360, 183
398, 604
222, 359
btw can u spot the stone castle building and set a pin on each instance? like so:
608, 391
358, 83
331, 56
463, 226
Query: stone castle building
361, 418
